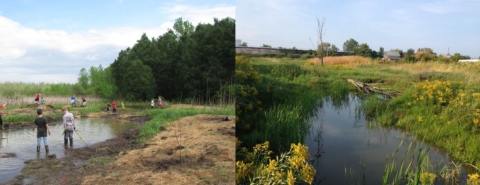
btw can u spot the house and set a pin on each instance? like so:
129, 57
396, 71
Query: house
391, 55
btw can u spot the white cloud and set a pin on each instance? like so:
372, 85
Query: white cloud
198, 14
12, 53
53, 55
91, 57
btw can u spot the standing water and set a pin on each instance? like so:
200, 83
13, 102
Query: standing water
351, 150
18, 146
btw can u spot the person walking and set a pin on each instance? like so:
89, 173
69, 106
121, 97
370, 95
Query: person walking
114, 106
1, 119
68, 125
123, 106
42, 130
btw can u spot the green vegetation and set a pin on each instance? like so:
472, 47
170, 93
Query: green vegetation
274, 103
439, 103
162, 116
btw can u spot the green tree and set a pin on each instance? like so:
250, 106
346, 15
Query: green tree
410, 55
243, 44
363, 50
457, 56
266, 46
425, 54
185, 62
140, 83
350, 45
381, 51
83, 80
334, 50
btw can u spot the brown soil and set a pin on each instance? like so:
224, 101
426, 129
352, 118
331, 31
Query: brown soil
193, 150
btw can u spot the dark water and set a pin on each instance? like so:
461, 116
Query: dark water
23, 142
352, 148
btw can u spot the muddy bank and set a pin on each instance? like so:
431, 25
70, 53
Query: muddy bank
193, 150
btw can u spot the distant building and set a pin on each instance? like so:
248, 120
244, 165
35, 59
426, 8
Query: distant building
238, 42
391, 55
257, 50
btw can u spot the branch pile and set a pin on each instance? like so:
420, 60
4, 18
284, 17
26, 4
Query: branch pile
370, 89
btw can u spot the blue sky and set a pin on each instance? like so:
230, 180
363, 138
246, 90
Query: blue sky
50, 41
440, 25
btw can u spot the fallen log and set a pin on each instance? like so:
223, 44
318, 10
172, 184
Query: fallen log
369, 89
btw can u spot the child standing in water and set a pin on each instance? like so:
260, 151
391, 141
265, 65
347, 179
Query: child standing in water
68, 125
42, 130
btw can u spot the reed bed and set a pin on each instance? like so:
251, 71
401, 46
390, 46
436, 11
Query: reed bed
341, 60
49, 100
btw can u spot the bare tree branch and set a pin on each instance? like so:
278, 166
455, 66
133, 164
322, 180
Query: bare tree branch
321, 33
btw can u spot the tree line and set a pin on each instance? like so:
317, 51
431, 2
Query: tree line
363, 49
186, 62
421, 54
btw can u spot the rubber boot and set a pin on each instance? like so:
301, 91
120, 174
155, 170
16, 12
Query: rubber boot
66, 141
46, 148
71, 141
38, 149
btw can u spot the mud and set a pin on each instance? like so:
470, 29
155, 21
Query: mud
193, 150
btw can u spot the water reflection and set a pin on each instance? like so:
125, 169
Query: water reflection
349, 147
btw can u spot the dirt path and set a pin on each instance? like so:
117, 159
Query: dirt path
193, 150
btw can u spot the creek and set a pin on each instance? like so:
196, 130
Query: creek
350, 149
17, 146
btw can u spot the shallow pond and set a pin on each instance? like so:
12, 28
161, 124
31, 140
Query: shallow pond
22, 143
353, 150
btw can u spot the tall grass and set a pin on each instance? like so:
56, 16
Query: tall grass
49, 100
341, 60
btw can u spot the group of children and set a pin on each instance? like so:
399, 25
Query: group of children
152, 103
73, 101
39, 98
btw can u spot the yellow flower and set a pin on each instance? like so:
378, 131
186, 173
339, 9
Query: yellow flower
295, 162
473, 179
475, 121
420, 119
272, 166
290, 178
308, 173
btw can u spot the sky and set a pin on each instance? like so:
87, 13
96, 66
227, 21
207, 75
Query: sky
51, 41
445, 26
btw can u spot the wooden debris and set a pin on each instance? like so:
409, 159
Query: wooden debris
369, 89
